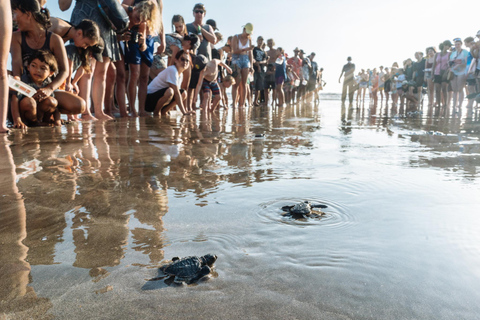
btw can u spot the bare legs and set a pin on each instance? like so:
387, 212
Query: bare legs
132, 87
243, 86
431, 90
98, 88
458, 83
5, 36
280, 94
142, 89
121, 88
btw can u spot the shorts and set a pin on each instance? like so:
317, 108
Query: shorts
439, 79
287, 86
194, 79
311, 85
363, 85
133, 55
270, 85
241, 60
152, 99
471, 82
259, 79
279, 80
211, 86
419, 82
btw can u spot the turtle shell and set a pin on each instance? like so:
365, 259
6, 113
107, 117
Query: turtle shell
187, 267
301, 208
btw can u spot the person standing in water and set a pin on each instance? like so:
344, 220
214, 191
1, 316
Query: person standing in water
348, 72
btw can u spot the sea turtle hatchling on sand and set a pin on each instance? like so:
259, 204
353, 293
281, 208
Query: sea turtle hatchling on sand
304, 209
189, 269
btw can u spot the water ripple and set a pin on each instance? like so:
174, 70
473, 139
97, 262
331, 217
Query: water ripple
336, 214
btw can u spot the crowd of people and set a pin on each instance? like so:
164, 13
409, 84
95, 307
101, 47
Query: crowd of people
85, 69
445, 76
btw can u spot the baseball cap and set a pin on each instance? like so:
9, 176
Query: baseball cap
212, 23
200, 62
248, 28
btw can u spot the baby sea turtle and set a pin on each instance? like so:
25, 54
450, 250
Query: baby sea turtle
189, 269
304, 209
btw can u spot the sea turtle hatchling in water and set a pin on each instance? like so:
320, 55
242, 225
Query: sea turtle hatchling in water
189, 269
304, 209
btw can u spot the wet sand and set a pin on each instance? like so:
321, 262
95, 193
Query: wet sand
89, 211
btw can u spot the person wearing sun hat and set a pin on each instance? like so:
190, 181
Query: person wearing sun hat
203, 30
242, 61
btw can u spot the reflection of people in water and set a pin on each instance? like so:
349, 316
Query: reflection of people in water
15, 294
116, 189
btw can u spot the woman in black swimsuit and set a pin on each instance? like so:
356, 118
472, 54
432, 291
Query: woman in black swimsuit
33, 23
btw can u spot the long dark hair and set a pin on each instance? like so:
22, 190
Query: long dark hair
39, 14
89, 29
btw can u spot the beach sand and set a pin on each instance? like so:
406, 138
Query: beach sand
89, 212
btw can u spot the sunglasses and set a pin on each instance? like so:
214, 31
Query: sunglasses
184, 60
199, 11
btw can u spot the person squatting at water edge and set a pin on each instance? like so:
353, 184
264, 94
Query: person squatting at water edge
75, 63
444, 77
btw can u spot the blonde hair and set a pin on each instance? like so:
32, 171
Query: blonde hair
229, 78
150, 13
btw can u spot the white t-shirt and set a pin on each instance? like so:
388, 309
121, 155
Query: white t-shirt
459, 69
164, 79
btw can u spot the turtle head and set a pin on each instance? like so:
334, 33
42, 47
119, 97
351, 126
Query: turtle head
209, 259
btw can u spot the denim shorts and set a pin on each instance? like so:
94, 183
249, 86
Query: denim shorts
133, 55
241, 60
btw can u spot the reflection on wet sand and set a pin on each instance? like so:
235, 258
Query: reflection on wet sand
452, 141
104, 186
16, 297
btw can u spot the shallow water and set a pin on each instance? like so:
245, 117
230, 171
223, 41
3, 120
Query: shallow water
89, 211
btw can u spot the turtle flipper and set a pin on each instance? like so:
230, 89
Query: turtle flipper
202, 273
175, 258
321, 206
287, 208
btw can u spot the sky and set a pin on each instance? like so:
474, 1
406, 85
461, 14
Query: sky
372, 32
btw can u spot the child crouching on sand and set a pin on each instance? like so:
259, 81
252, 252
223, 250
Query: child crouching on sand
34, 110
165, 92
209, 85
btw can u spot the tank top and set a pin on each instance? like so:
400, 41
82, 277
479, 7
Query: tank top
441, 63
27, 52
240, 45
205, 47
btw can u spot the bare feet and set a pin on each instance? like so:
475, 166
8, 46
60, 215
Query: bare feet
73, 117
103, 116
87, 117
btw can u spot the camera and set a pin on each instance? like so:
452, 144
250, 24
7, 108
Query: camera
134, 36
